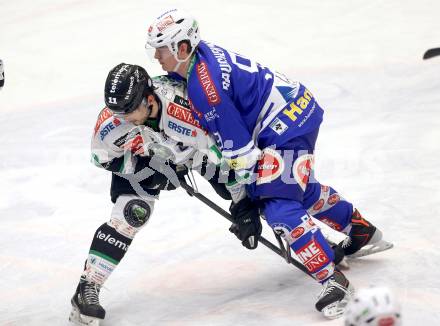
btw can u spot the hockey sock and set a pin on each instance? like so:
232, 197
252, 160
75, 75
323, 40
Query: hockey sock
106, 251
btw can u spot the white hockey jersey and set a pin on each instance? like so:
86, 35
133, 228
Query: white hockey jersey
113, 143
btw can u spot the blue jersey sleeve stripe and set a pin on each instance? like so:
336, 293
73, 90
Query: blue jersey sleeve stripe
240, 151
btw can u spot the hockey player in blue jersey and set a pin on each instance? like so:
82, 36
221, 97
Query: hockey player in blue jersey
266, 126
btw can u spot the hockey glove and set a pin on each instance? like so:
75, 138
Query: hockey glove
247, 226
155, 143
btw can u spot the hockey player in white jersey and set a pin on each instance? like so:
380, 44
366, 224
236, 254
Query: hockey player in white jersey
138, 110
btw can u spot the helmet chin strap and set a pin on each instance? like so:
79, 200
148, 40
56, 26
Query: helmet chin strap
177, 66
179, 61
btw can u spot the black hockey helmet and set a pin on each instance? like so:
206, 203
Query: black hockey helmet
125, 88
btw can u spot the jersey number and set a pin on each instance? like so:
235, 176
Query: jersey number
244, 64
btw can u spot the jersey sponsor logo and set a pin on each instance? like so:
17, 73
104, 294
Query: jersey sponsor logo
183, 114
331, 223
322, 275
297, 107
318, 205
304, 120
278, 126
225, 67
193, 109
112, 241
109, 127
182, 101
270, 166
207, 83
211, 115
312, 256
333, 199
297, 232
104, 115
181, 129
302, 169
121, 140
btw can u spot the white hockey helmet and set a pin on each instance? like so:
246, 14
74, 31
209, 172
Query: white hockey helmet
373, 307
172, 27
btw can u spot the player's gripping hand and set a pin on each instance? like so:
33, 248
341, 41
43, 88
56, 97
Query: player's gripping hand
247, 226
153, 143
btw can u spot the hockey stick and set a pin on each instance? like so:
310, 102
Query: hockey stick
280, 252
431, 53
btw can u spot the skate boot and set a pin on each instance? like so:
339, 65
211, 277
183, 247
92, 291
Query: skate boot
334, 296
364, 238
86, 309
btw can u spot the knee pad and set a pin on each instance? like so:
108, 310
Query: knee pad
130, 213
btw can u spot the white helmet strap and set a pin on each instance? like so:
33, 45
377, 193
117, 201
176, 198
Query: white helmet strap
180, 61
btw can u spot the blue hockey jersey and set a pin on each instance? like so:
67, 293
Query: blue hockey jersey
246, 106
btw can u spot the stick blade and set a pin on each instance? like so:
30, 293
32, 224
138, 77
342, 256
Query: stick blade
431, 53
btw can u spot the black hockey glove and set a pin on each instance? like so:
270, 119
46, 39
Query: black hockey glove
247, 226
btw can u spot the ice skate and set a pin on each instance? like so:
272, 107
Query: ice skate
86, 309
364, 238
335, 294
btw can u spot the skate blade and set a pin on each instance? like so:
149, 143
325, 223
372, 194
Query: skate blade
337, 309
370, 249
82, 320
